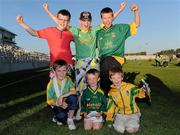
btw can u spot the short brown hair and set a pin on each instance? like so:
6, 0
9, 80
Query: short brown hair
93, 71
64, 12
115, 70
106, 10
59, 63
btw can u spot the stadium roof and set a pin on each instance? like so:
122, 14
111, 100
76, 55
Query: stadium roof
4, 29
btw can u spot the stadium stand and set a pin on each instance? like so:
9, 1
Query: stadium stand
14, 58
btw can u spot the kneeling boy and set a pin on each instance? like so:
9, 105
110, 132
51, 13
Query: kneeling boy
61, 95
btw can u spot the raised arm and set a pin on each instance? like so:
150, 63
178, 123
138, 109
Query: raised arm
20, 21
134, 8
122, 6
46, 8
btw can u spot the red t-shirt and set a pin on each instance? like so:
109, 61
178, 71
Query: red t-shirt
59, 43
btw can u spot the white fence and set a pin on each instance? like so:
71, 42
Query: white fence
140, 57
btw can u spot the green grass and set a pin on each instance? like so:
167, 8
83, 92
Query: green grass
26, 113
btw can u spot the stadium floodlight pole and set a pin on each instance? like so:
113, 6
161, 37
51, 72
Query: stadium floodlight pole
146, 89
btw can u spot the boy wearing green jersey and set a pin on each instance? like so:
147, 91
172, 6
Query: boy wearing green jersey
85, 43
61, 95
93, 102
111, 42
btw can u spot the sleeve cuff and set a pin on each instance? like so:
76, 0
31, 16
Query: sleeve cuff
133, 28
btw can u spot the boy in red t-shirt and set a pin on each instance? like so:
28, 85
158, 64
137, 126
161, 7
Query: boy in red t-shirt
58, 38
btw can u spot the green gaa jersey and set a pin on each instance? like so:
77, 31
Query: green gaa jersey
85, 42
111, 41
93, 100
64, 88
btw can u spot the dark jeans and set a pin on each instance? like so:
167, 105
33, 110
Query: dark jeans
105, 65
60, 113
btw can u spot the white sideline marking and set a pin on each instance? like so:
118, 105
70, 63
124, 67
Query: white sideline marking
21, 80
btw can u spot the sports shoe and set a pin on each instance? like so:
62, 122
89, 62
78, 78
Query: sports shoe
71, 125
59, 123
56, 121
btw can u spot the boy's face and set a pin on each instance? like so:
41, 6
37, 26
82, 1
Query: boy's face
117, 79
92, 80
85, 24
63, 21
61, 72
107, 19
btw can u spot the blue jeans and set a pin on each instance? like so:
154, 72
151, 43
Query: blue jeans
60, 113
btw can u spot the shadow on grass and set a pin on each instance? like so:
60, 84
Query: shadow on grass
157, 85
23, 88
22, 96
11, 110
160, 92
18, 75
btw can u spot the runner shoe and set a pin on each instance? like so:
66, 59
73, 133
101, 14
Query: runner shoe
71, 125
56, 121
59, 123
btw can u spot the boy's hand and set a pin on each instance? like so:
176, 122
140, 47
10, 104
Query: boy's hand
123, 5
59, 101
134, 7
85, 115
52, 74
45, 6
19, 19
64, 105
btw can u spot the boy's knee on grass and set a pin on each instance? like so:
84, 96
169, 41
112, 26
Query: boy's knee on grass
132, 130
88, 124
97, 125
119, 129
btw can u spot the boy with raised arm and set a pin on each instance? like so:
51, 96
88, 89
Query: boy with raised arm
111, 42
58, 38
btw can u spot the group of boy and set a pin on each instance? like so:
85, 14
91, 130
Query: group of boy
121, 108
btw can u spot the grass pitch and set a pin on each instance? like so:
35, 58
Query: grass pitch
23, 109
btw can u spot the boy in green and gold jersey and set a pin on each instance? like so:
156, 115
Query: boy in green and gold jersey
122, 110
111, 41
93, 102
61, 95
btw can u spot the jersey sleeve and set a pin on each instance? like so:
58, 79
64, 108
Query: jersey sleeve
43, 33
100, 26
51, 95
73, 30
137, 92
133, 28
110, 110
125, 30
